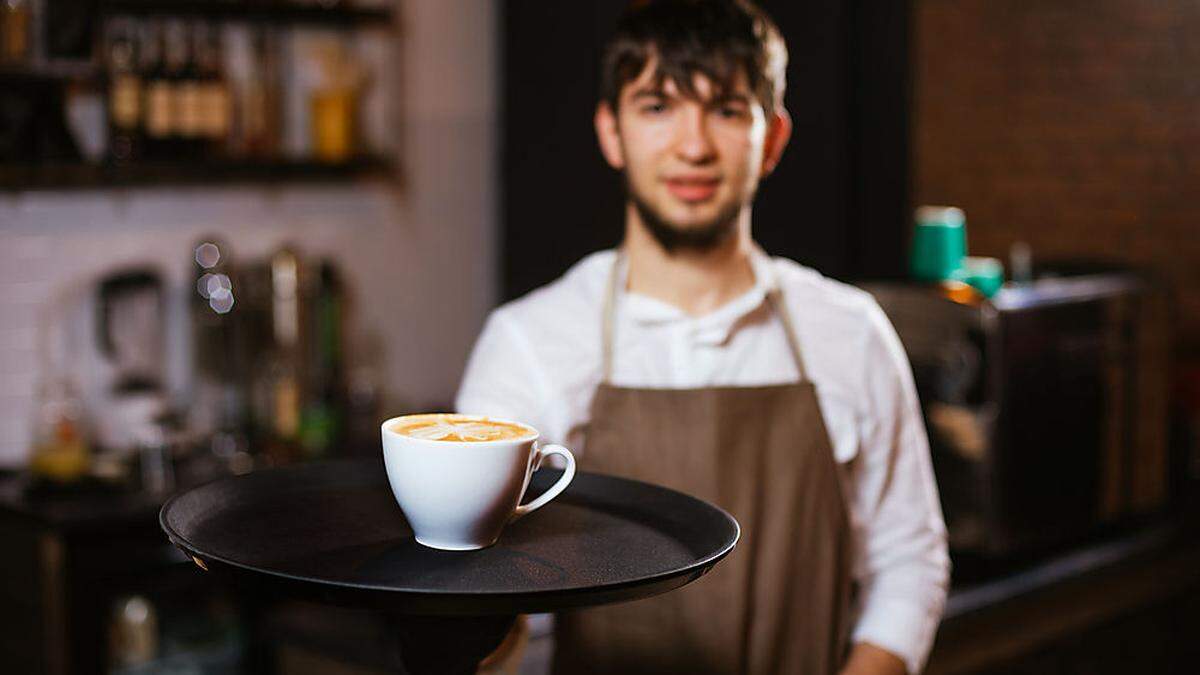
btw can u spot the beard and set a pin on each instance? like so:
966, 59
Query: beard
698, 238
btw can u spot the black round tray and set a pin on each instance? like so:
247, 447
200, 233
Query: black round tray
333, 532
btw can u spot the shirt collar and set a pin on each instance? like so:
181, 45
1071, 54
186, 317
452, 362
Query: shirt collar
712, 328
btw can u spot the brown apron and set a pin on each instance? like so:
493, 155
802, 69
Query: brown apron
780, 603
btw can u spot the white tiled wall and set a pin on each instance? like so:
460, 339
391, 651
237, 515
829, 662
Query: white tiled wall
419, 261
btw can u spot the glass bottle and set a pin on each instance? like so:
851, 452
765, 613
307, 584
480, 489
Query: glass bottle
214, 92
124, 94
158, 123
321, 423
181, 51
15, 22
281, 378
60, 452
260, 117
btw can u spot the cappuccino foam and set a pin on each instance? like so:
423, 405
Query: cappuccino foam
459, 428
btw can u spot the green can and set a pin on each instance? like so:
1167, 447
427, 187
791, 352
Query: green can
939, 244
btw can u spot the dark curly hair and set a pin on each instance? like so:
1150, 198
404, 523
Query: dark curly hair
714, 38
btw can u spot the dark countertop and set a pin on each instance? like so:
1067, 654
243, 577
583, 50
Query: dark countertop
989, 623
985, 621
93, 505
965, 599
84, 508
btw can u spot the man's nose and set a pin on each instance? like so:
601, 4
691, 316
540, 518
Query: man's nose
693, 142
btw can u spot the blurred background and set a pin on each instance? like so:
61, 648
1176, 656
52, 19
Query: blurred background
236, 234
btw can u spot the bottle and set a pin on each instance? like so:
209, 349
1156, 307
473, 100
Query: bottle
133, 632
181, 50
124, 94
15, 22
157, 106
259, 118
284, 376
241, 77
321, 422
213, 94
333, 101
60, 450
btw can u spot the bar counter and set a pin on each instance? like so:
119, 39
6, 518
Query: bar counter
1126, 602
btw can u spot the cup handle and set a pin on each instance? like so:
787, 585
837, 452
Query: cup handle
568, 474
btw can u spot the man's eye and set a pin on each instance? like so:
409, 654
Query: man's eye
730, 112
654, 108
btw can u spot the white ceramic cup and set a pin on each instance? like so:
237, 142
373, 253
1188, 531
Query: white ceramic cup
459, 495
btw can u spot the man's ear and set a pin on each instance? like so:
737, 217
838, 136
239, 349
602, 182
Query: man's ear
608, 135
779, 130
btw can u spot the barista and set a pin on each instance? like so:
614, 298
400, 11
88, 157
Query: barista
690, 358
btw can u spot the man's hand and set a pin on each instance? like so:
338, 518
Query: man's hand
867, 659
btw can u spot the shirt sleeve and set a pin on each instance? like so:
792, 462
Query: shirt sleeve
903, 568
503, 377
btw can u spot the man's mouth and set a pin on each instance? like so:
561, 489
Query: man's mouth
693, 189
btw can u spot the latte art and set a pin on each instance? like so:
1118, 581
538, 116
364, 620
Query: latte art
459, 429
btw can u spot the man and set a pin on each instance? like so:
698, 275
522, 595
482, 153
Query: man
690, 359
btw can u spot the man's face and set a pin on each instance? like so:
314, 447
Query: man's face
690, 164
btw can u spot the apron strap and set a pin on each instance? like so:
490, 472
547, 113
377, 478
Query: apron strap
774, 296
610, 301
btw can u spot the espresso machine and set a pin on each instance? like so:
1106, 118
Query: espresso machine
1046, 406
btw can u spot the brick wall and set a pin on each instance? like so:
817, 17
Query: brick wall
1073, 125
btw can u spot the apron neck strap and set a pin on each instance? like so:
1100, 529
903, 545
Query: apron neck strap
610, 301
774, 296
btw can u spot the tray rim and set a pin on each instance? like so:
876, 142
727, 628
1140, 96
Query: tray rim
540, 600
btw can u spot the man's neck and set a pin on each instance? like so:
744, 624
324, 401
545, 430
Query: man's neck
697, 282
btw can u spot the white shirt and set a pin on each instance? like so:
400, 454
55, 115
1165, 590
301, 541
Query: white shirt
538, 360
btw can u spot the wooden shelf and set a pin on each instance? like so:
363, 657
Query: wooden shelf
56, 176
263, 11
46, 75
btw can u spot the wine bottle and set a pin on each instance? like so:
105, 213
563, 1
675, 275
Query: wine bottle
124, 93
214, 94
187, 87
157, 106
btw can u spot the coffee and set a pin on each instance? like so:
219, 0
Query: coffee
459, 428
460, 478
